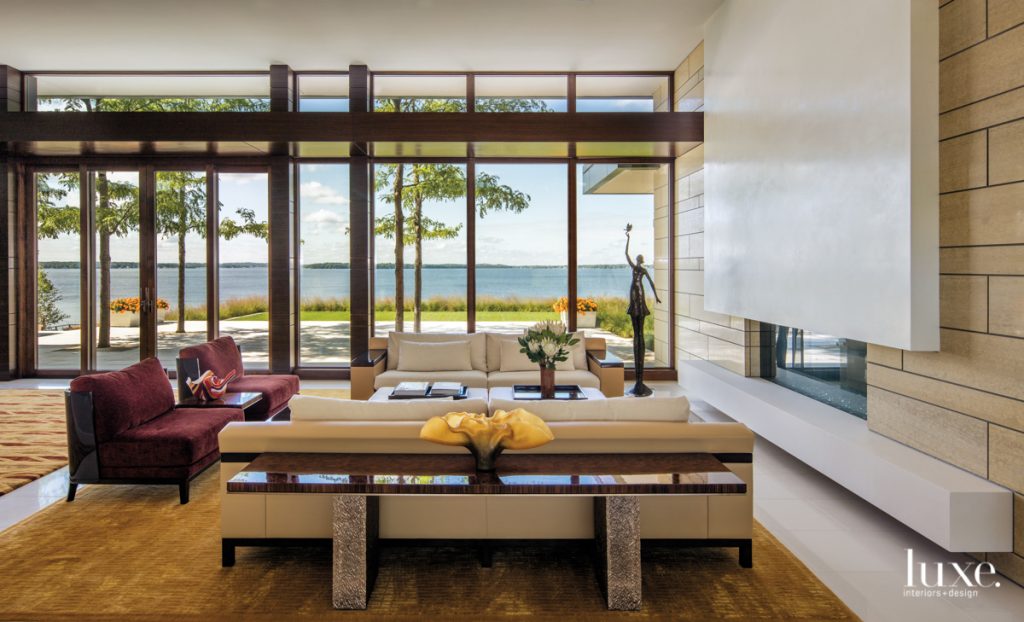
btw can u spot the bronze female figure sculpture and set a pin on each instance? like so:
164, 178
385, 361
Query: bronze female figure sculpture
638, 312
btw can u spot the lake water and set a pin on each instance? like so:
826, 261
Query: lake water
525, 282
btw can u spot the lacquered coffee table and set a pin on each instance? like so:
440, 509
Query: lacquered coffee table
381, 395
615, 481
242, 400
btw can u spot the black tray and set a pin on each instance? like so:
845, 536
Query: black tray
461, 396
562, 392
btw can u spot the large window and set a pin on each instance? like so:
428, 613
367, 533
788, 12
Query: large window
622, 94
244, 285
418, 93
829, 369
152, 93
323, 92
521, 244
610, 196
59, 276
520, 93
323, 259
115, 208
181, 261
420, 248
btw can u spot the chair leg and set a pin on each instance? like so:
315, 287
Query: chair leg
747, 554
72, 488
183, 492
227, 554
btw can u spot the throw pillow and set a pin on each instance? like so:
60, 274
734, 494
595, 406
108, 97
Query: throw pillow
443, 356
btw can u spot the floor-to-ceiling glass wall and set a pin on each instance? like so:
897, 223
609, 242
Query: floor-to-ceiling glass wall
243, 256
115, 208
610, 198
420, 248
181, 262
58, 271
324, 309
521, 244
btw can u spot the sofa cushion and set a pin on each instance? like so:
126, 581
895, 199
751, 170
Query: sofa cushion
307, 408
277, 389
220, 355
578, 358
473, 379
477, 345
426, 356
127, 398
181, 437
510, 378
668, 409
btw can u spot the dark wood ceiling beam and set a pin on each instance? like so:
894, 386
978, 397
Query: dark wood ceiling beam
357, 127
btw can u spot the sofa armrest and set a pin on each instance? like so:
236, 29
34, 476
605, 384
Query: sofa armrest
83, 459
610, 371
365, 369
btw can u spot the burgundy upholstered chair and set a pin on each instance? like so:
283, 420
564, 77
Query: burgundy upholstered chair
123, 428
221, 356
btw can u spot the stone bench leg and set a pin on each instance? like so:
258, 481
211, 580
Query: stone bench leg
355, 550
617, 536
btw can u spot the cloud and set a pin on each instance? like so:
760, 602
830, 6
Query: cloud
321, 194
325, 216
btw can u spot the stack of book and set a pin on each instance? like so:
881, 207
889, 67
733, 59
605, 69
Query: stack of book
441, 390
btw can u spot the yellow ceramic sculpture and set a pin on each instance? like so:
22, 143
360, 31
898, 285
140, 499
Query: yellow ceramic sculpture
486, 437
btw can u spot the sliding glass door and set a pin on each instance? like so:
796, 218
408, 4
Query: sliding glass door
118, 300
181, 262
58, 271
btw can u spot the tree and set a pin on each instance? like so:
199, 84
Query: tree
48, 297
408, 187
116, 203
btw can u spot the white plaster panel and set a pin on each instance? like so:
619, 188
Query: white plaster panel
821, 167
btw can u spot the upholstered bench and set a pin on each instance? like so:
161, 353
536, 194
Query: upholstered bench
123, 428
221, 356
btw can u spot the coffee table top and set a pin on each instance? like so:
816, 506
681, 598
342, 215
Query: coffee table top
381, 395
517, 474
230, 400
507, 393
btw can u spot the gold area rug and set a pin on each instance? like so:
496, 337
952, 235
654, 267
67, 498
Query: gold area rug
132, 552
33, 435
336, 393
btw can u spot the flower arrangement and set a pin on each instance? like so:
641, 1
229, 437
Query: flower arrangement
547, 343
583, 305
133, 304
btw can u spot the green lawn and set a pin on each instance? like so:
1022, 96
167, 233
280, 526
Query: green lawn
428, 316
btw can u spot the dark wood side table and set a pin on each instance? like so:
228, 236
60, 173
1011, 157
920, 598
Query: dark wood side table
243, 400
357, 481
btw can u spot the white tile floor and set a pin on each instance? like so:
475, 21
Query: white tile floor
858, 551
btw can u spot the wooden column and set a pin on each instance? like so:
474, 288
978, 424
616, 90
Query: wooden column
147, 262
571, 243
360, 171
471, 246
10, 101
212, 255
281, 255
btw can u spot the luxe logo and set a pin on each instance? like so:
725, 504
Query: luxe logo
960, 581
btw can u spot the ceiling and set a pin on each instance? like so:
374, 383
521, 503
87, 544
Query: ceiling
456, 35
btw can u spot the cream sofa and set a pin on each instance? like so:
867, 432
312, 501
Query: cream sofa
320, 425
382, 366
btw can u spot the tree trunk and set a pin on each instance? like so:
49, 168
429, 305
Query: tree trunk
182, 230
418, 272
399, 250
103, 334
